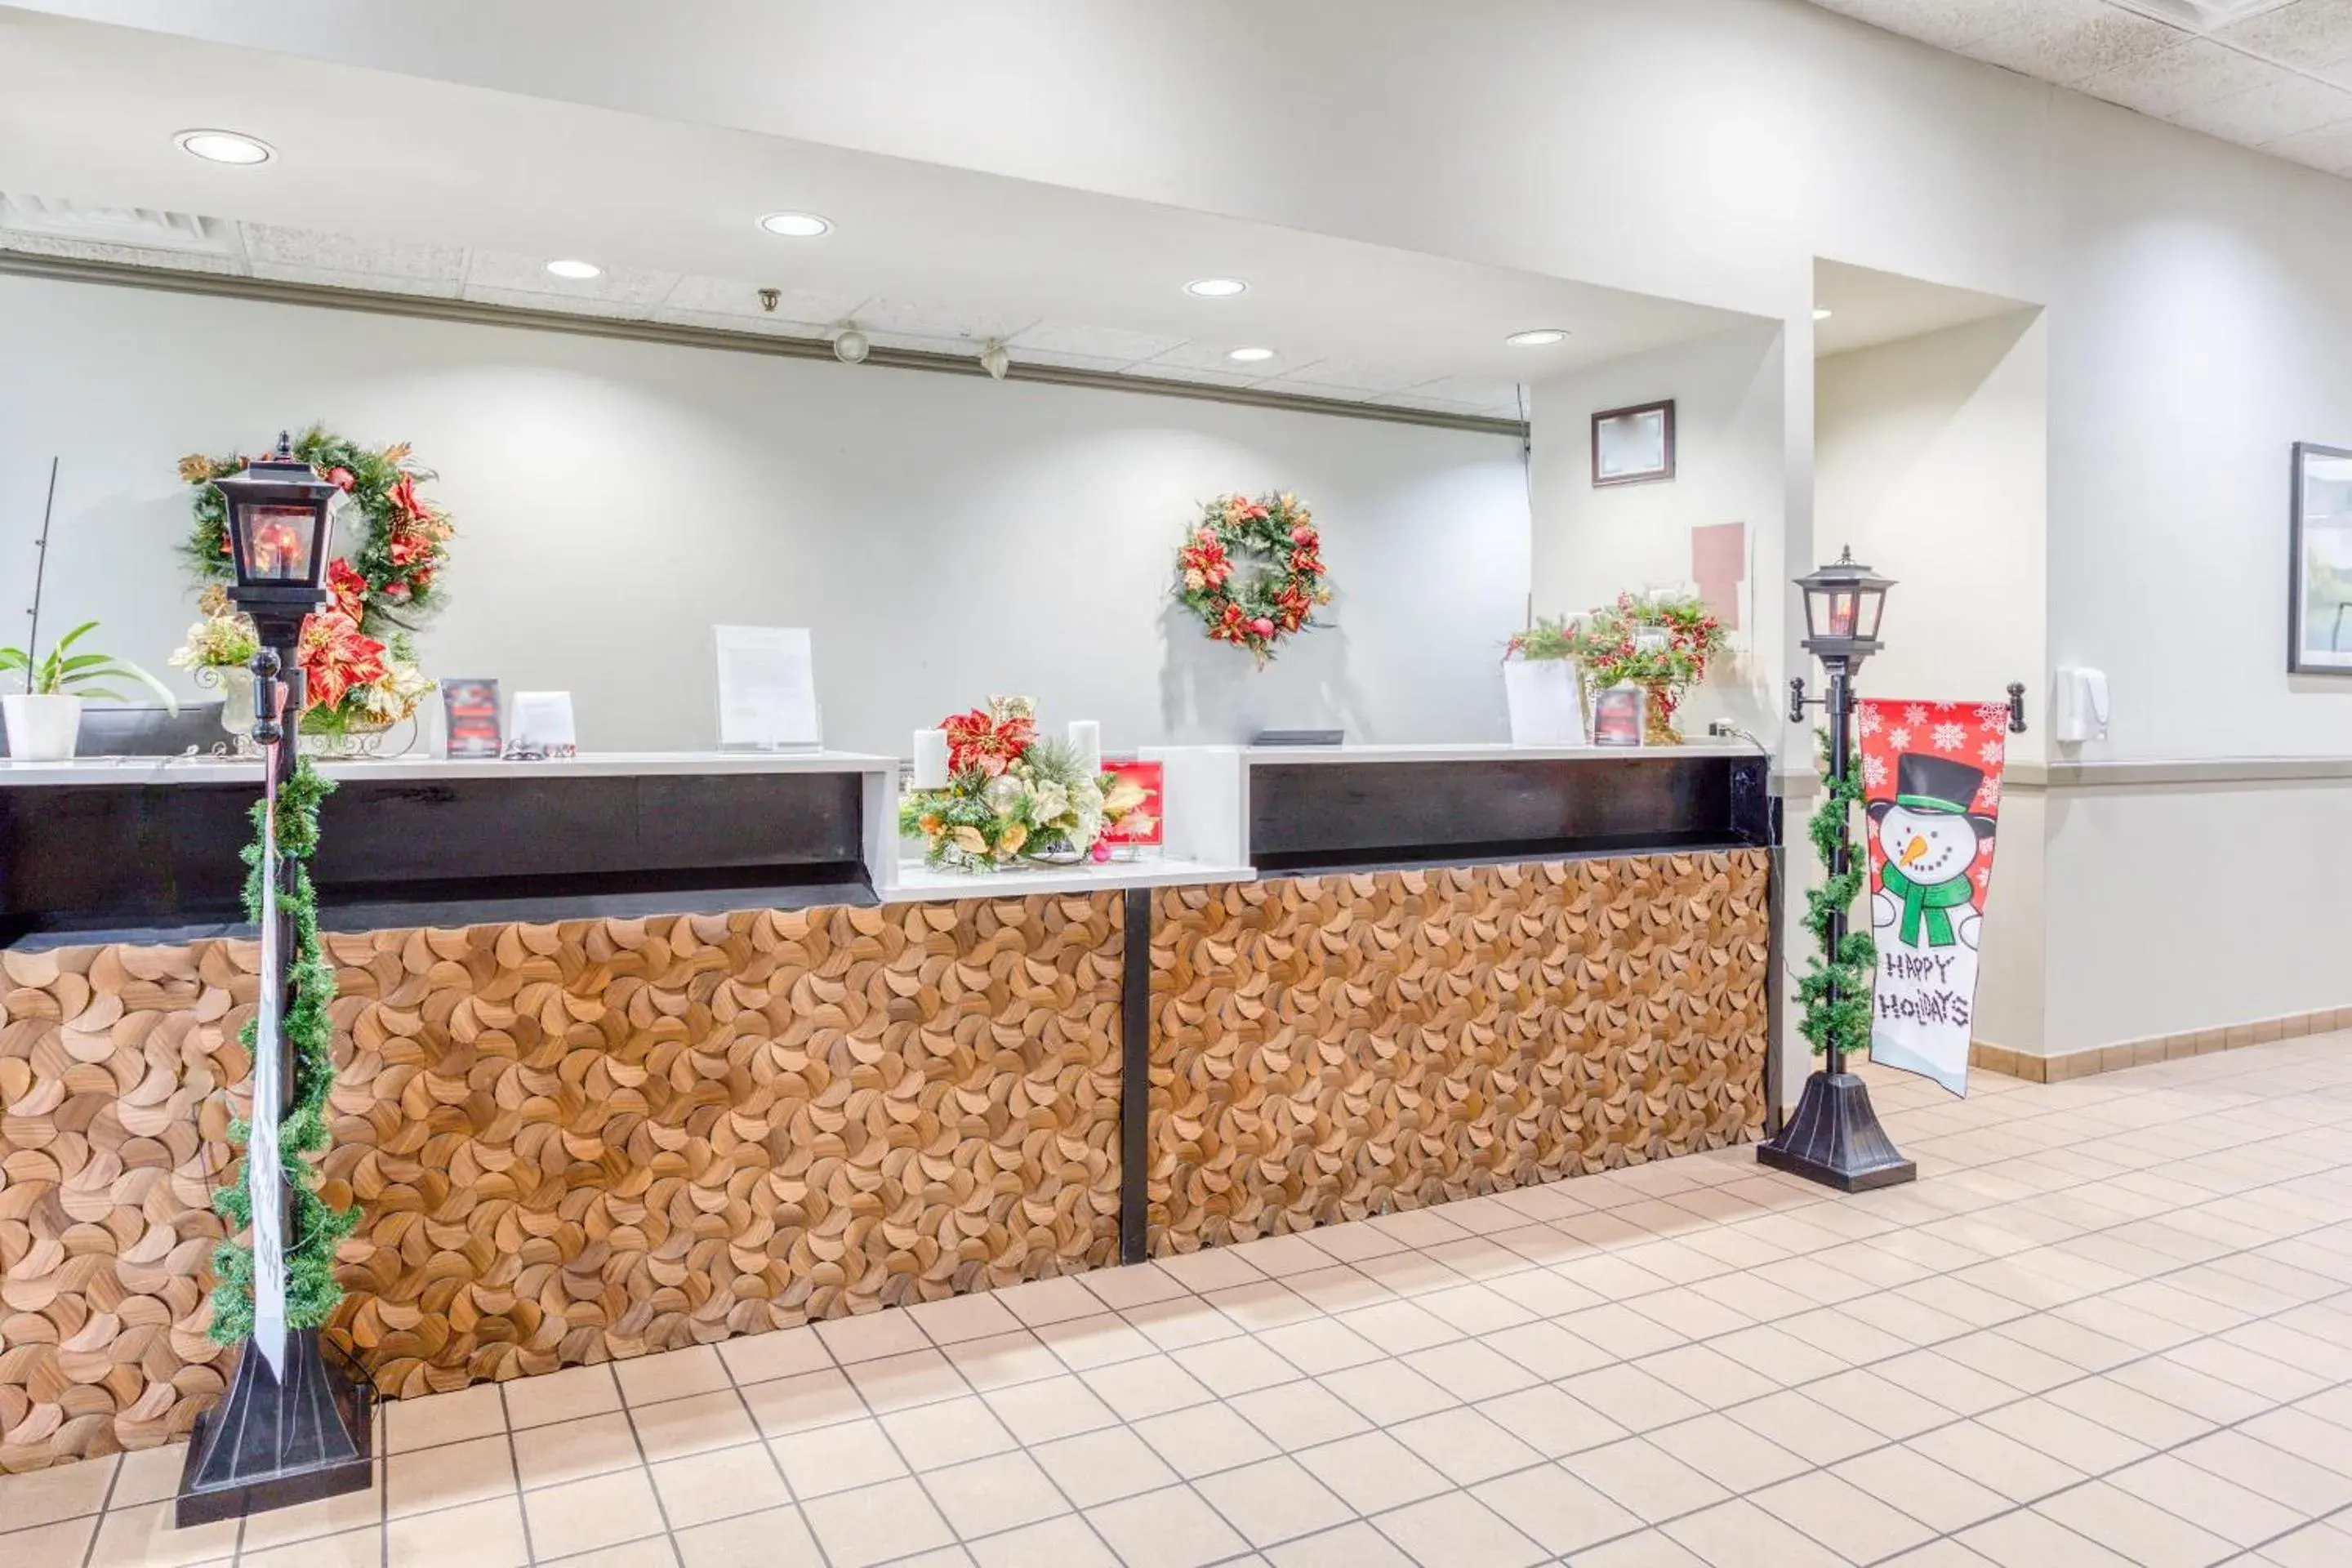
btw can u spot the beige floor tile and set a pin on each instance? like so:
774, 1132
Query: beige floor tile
2139, 1532
1397, 1327
949, 1433
1805, 1427
1475, 1308
1262, 1304
1708, 1375
1771, 1350
1068, 1541
574, 1393
1737, 1534
143, 1537
1992, 1459
775, 1538
671, 1374
2126, 1410
1185, 1321
1387, 1392
1003, 1361
2028, 1539
432, 1419
1238, 1365
1644, 1480
480, 1535
694, 1425
1210, 1268
575, 1449
361, 1548
702, 1488
2003, 1359
1650, 1549
653, 1551
2278, 1474
1273, 1500
1318, 1346
1464, 1446
2198, 1393
582, 1516
1940, 1554
307, 1522
62, 1544
875, 1524
1632, 1397
148, 1475
60, 1492
2238, 1516
1841, 1516
1203, 1439
801, 1404
1890, 1408
1356, 1545
836, 1458
1084, 1344
1000, 1492
448, 1475
1548, 1351
2320, 1545
1138, 1285
1050, 1301
1618, 1330
1337, 1287
1471, 1371
1372, 1471
1054, 1407
1554, 1509
1692, 1315
2060, 1433
1151, 1386
1099, 1467
1278, 1255
1458, 1531
780, 1353
2298, 1432
870, 1335
1296, 1415
1171, 1528
1935, 1495
1718, 1446
975, 1316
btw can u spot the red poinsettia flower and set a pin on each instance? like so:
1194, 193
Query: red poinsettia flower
342, 479
346, 590
404, 501
336, 656
977, 740
406, 547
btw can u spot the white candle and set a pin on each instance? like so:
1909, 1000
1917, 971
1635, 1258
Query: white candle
931, 759
1085, 740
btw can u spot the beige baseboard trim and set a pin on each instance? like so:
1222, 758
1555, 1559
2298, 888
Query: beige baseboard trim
2161, 1048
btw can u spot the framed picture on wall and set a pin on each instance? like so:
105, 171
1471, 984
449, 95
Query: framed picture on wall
2319, 589
1633, 446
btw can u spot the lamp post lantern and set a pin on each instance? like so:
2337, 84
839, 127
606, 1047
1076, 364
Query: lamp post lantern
293, 1428
1834, 1138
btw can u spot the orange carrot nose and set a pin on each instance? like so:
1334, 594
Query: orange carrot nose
1912, 850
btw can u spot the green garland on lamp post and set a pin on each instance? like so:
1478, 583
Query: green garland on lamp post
1835, 987
312, 1293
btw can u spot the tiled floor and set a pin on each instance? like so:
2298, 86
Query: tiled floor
2111, 1323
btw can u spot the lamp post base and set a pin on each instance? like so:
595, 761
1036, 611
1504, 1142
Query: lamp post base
271, 1445
1834, 1138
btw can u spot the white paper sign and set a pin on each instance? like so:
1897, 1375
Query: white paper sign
1545, 708
767, 686
538, 724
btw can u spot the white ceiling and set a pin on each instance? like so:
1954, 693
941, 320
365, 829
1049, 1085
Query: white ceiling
2272, 74
1868, 307
396, 183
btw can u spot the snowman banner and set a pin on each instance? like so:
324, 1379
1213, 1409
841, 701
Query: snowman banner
1931, 783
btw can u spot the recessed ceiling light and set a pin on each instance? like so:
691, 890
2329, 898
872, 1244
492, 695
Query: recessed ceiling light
1215, 288
225, 147
575, 269
1821, 314
796, 226
1541, 337
1249, 356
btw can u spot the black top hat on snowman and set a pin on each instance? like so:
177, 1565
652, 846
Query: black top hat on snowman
1927, 782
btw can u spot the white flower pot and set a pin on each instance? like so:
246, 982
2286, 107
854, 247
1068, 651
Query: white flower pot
41, 728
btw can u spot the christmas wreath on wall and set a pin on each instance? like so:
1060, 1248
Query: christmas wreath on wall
358, 661
1253, 571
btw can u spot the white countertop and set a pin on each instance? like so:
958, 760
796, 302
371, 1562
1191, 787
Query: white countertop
1486, 752
226, 770
918, 882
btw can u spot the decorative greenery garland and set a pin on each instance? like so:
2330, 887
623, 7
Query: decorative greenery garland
1278, 596
1842, 1019
360, 666
310, 1289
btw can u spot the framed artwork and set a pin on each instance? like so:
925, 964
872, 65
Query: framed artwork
1633, 446
2319, 587
1619, 714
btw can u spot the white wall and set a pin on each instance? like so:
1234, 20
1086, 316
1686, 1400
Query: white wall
945, 537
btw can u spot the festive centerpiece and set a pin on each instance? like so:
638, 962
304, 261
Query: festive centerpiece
358, 661
1253, 571
1660, 642
1013, 797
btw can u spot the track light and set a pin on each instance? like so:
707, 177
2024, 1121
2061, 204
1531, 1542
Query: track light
849, 345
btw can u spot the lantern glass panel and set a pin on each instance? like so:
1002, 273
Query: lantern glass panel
1845, 609
279, 542
1873, 606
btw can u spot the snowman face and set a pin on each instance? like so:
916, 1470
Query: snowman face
1928, 846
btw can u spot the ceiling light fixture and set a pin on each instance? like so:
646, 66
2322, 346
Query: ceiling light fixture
225, 147
1538, 337
1249, 356
796, 226
576, 271
1215, 288
849, 345
1822, 313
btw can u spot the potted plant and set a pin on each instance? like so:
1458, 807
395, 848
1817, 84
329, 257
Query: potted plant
1540, 685
1660, 642
44, 719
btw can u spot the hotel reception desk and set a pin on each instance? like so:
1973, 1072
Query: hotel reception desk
643, 1052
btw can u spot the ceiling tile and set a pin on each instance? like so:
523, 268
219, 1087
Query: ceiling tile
2197, 72
2312, 34
1158, 369
119, 255
1947, 24
2285, 106
568, 305
733, 297
135, 229
636, 290
1363, 375
919, 343
373, 282
1417, 399
2328, 148
915, 318
317, 251
1207, 354
1023, 355
2068, 41
1305, 387
753, 326
1482, 391
1092, 343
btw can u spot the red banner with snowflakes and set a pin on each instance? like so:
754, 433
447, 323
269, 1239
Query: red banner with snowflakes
1931, 784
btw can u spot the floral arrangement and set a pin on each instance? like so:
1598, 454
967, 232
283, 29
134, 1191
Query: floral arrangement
1661, 641
1253, 571
357, 660
1547, 639
1011, 798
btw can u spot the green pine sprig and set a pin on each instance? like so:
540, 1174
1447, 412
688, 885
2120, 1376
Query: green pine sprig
1835, 987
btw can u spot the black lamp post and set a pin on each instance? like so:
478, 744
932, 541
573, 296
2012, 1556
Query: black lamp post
1834, 1138
292, 1428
